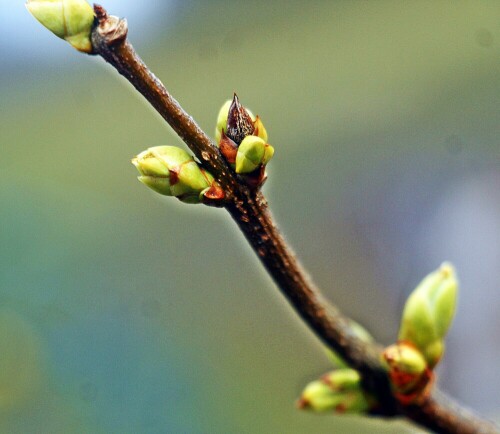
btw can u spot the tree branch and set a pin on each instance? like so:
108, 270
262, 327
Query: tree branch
250, 212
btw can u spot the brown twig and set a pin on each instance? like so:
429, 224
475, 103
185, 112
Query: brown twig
250, 212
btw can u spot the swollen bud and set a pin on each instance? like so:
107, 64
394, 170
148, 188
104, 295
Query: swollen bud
429, 311
408, 371
242, 140
71, 20
338, 391
252, 153
171, 171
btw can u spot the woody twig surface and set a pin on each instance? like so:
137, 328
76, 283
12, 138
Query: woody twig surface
250, 212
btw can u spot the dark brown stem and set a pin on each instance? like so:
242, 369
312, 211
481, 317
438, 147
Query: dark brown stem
250, 212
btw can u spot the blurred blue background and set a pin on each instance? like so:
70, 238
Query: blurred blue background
125, 312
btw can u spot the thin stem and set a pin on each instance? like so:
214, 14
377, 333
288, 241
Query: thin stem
250, 212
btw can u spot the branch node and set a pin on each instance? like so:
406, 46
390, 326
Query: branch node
111, 29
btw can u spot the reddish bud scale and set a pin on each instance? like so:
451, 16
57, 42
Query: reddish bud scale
174, 176
257, 178
228, 148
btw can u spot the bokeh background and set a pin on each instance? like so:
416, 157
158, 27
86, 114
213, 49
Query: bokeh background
125, 312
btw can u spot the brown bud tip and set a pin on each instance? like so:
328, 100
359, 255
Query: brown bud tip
100, 13
215, 193
302, 404
112, 30
228, 148
239, 122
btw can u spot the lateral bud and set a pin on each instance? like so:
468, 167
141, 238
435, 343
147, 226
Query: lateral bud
409, 373
252, 153
339, 391
171, 171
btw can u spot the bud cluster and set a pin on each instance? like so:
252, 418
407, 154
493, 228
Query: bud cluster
242, 140
427, 316
340, 391
171, 171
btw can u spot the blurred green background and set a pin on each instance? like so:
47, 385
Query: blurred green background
125, 312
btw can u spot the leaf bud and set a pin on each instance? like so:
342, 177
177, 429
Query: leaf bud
409, 373
253, 152
428, 313
171, 171
71, 20
338, 391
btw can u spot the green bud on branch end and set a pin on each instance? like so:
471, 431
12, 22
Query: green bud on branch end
71, 20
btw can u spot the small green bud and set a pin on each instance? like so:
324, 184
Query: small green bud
408, 371
429, 311
343, 379
260, 130
171, 171
405, 358
339, 391
71, 20
252, 153
222, 121
318, 396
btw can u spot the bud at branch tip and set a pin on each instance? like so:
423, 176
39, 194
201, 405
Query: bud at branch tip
71, 20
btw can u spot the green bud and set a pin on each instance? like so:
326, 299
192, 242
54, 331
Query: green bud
252, 153
71, 20
171, 171
405, 358
343, 379
222, 121
429, 311
318, 396
260, 130
339, 391
408, 371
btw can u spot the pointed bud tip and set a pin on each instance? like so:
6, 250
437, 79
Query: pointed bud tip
447, 270
239, 122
